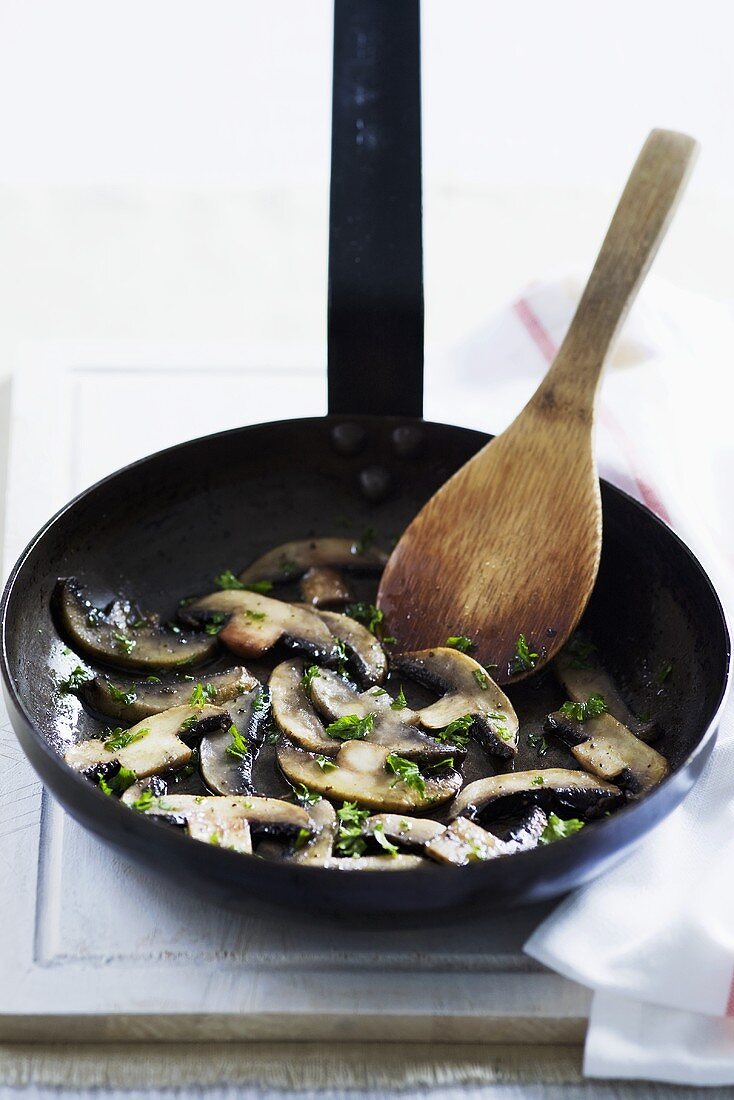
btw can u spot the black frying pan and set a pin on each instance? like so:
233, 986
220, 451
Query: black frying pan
163, 527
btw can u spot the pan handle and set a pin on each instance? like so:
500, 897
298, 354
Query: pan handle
375, 325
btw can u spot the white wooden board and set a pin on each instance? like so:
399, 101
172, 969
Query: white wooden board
88, 934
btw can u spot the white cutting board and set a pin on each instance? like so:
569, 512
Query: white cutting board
87, 933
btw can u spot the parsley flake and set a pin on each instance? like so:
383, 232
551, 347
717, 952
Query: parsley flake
538, 741
74, 680
325, 763
558, 829
460, 642
399, 702
144, 802
378, 832
367, 614
120, 696
202, 694
592, 708
481, 678
301, 793
457, 732
524, 660
309, 676
349, 840
407, 773
538, 781
127, 645
239, 747
117, 783
351, 727
121, 739
229, 582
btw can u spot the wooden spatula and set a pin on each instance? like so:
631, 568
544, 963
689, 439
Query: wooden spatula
507, 551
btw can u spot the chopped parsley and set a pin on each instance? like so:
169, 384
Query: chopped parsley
407, 773
74, 680
214, 839
524, 659
457, 732
145, 802
301, 793
152, 679
592, 708
367, 614
325, 763
460, 642
341, 654
309, 676
188, 724
481, 678
302, 838
377, 692
538, 741
117, 783
366, 540
120, 696
229, 582
378, 833
665, 672
216, 621
351, 727
202, 694
582, 653
538, 781
288, 567
272, 737
121, 739
558, 829
349, 840
399, 702
442, 765
127, 645
238, 747
255, 616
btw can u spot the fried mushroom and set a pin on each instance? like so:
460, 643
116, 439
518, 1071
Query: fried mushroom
133, 700
551, 788
117, 635
291, 560
469, 691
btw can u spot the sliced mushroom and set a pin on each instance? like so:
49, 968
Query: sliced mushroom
292, 559
363, 648
136, 699
551, 788
395, 729
583, 676
117, 637
252, 624
153, 745
324, 825
361, 775
228, 822
323, 586
605, 747
469, 690
465, 842
293, 712
226, 759
410, 832
373, 863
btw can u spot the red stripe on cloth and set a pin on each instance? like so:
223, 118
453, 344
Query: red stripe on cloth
730, 1002
547, 347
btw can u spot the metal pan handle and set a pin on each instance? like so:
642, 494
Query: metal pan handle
375, 327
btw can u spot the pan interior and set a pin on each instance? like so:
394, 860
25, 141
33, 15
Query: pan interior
162, 529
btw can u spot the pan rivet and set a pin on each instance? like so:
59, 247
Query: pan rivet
374, 481
406, 441
348, 438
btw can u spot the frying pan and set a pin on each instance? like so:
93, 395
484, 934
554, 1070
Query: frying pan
163, 527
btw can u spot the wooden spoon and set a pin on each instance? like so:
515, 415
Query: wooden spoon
510, 545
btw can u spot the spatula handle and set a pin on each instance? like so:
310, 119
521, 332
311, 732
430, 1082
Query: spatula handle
637, 228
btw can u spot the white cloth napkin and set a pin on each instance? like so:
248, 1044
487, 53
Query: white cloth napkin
655, 938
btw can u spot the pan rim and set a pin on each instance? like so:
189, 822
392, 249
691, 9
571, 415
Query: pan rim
232, 859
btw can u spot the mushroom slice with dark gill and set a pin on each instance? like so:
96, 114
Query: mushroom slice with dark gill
251, 624
322, 586
291, 560
154, 745
582, 676
469, 692
135, 699
226, 755
605, 747
363, 648
362, 774
527, 832
382, 724
601, 743
465, 842
228, 822
551, 788
117, 636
